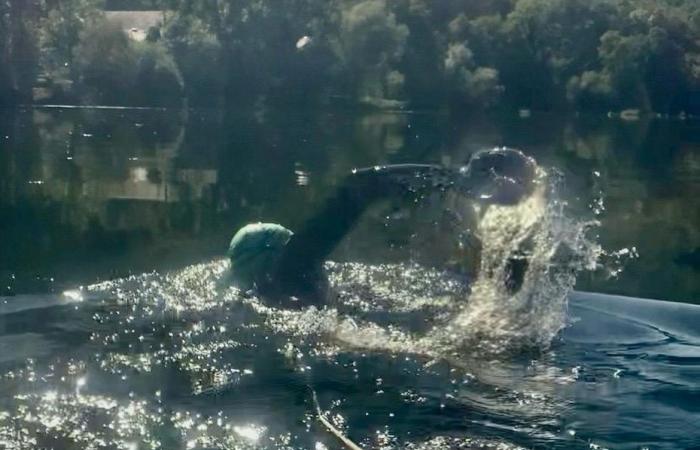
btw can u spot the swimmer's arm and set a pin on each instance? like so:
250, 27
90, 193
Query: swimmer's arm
310, 246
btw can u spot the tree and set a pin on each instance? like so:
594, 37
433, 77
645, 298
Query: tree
475, 86
592, 90
18, 49
111, 69
105, 64
198, 54
59, 33
158, 80
371, 43
540, 54
258, 54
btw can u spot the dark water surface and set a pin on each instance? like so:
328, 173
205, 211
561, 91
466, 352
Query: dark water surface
157, 351
92, 194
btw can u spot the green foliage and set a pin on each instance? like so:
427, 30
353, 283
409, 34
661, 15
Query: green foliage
649, 59
158, 80
59, 33
111, 69
18, 49
132, 5
370, 34
542, 43
540, 54
199, 58
371, 43
475, 86
104, 64
395, 81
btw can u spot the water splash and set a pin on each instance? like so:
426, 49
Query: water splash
379, 306
554, 246
491, 317
211, 338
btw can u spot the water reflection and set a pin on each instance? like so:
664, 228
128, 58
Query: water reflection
176, 359
93, 194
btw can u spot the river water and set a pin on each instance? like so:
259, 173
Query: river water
118, 330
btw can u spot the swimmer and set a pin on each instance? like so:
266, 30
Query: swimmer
287, 266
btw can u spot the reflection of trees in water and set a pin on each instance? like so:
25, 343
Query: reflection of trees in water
646, 173
649, 189
262, 159
80, 184
145, 184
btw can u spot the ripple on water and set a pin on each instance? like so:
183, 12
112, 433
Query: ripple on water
409, 357
177, 359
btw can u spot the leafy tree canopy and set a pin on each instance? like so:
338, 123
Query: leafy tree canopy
542, 54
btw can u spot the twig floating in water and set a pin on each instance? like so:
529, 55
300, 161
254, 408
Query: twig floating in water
329, 426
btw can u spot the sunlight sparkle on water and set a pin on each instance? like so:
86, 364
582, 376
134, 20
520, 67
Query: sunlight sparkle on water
252, 433
74, 295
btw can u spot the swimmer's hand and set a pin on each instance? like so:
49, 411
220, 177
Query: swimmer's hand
500, 176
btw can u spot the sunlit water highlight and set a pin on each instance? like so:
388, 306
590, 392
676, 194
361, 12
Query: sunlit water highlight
407, 357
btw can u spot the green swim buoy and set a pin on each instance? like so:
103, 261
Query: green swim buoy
254, 252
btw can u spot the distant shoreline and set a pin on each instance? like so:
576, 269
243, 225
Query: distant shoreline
625, 116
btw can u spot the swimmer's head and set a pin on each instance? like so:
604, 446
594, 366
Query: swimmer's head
500, 175
255, 251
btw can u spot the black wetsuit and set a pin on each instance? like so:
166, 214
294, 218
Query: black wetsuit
510, 173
